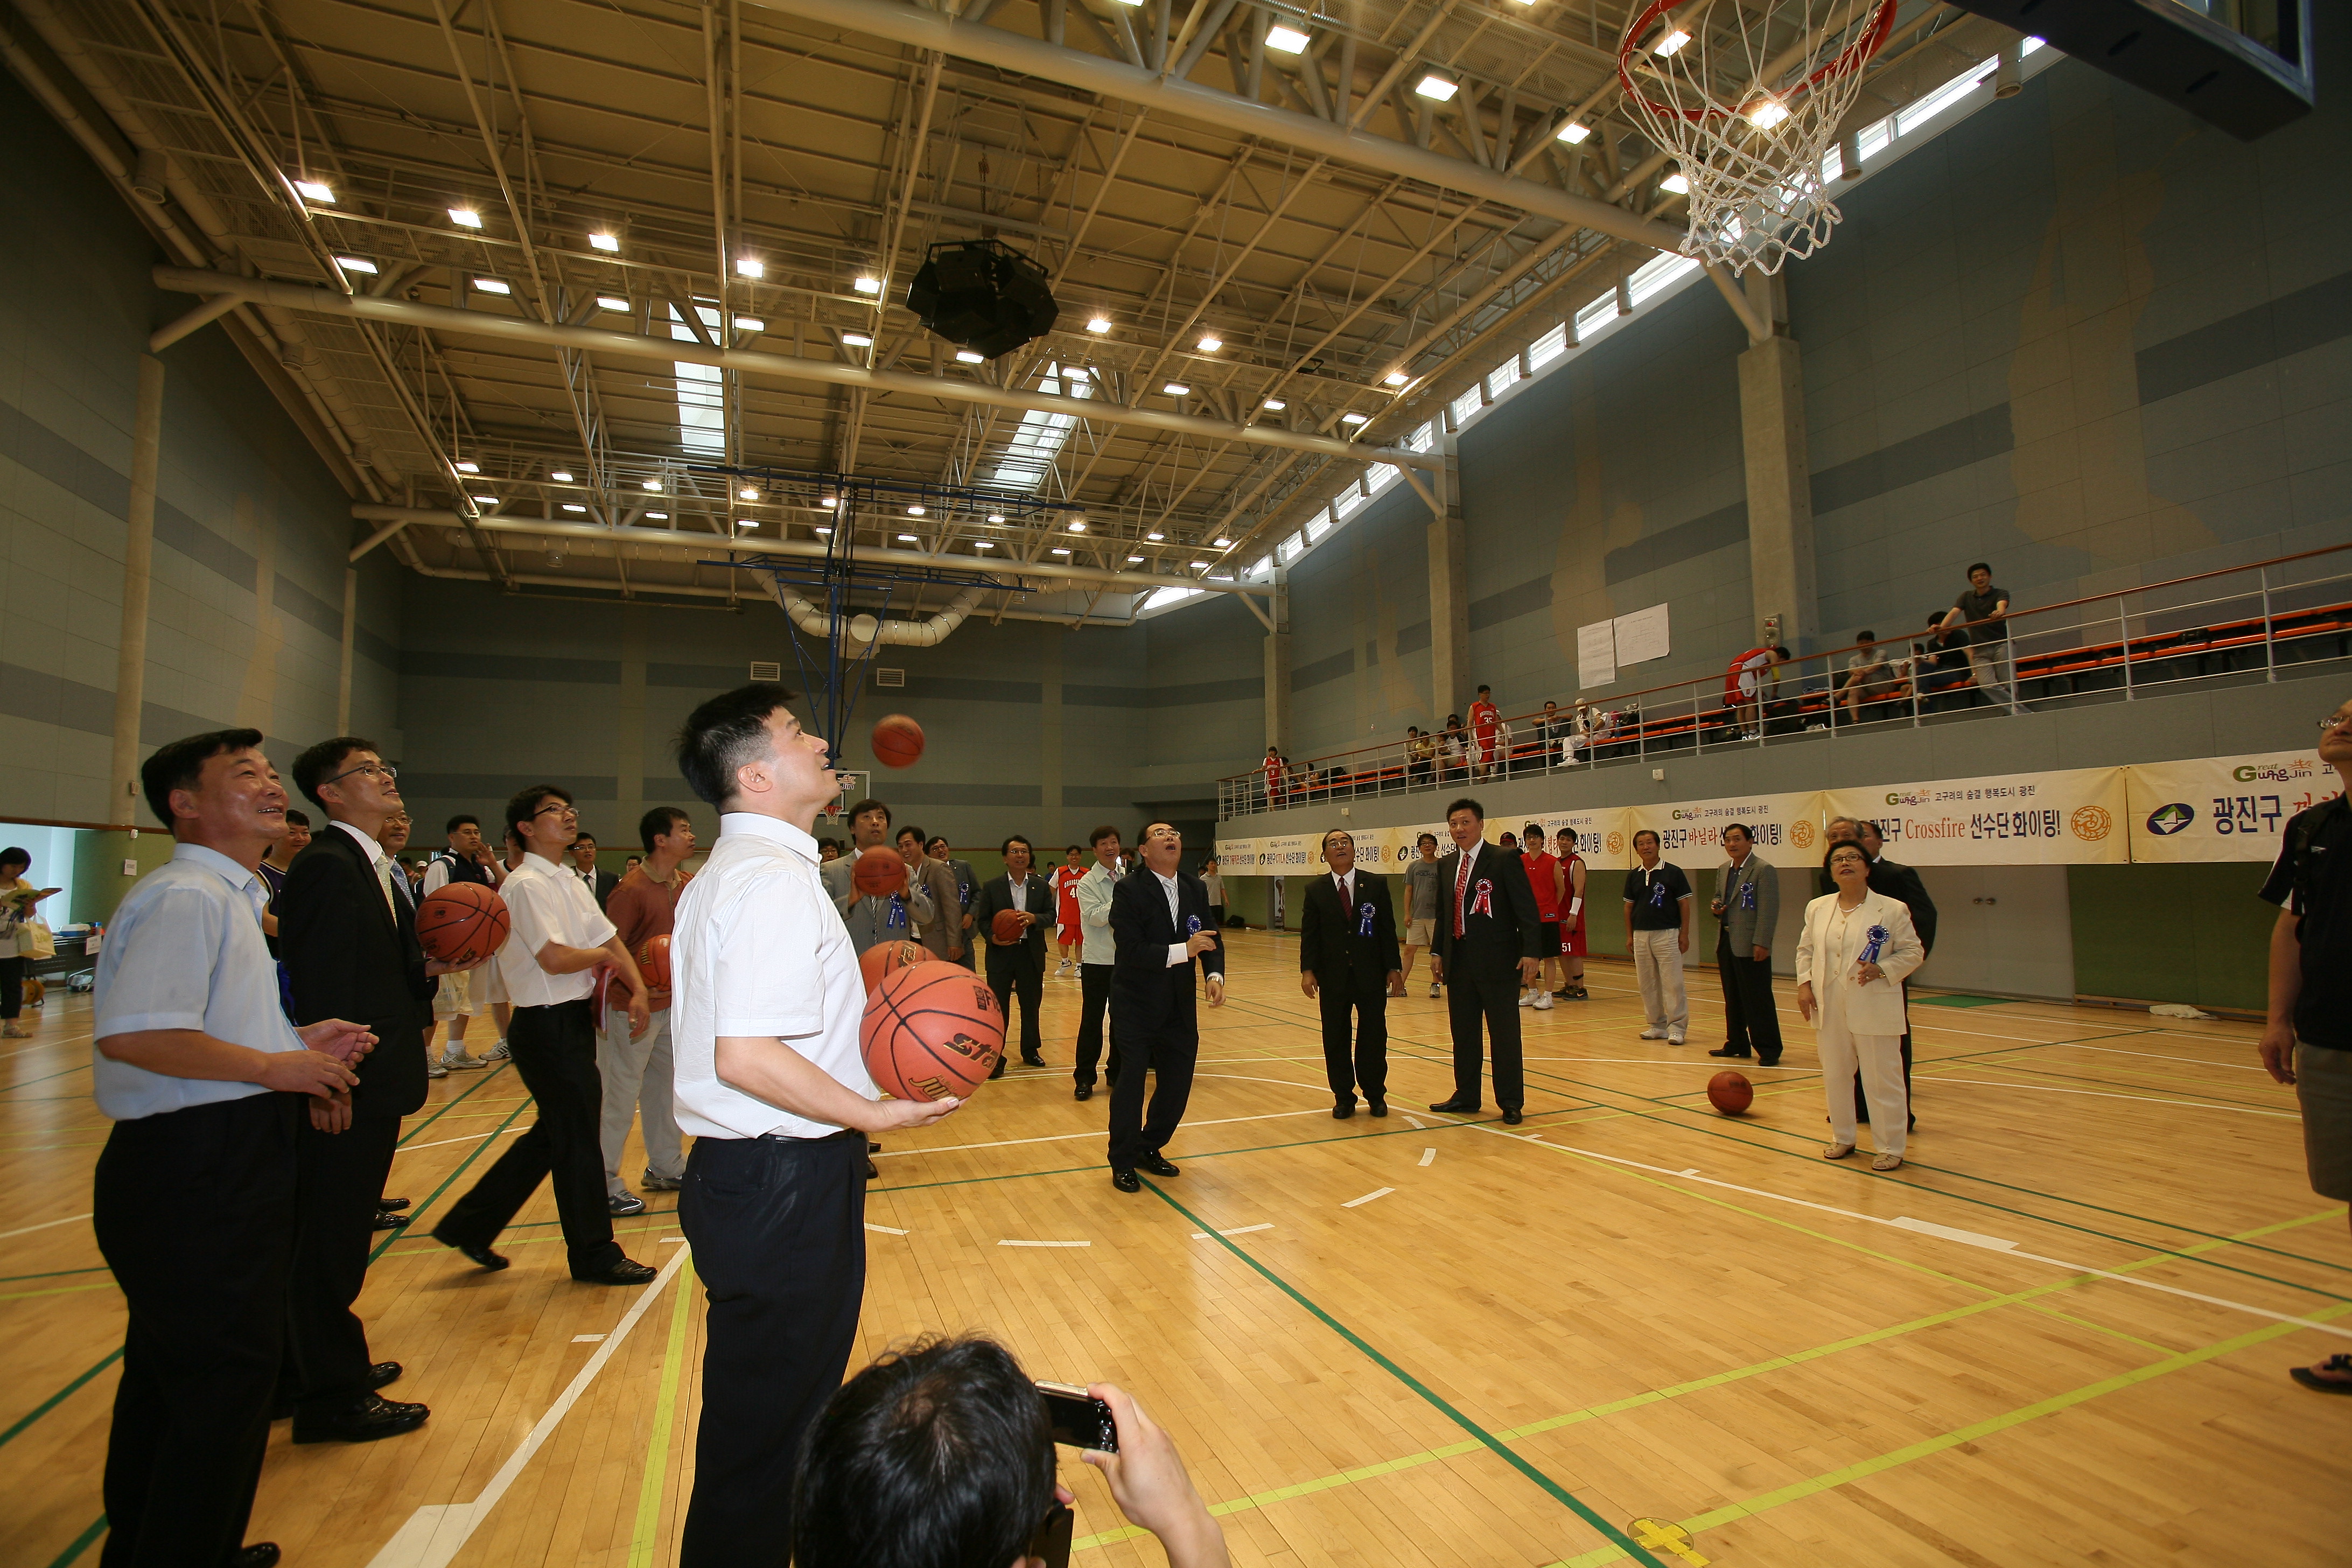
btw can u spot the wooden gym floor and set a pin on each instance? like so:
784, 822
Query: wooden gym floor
2060, 1335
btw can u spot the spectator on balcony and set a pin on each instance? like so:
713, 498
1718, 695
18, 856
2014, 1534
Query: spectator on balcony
1981, 615
1456, 748
1870, 681
1272, 766
1486, 725
1420, 757
1556, 730
1750, 685
1938, 663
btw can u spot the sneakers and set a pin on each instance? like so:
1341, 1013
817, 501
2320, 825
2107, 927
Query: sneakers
625, 1204
13, 1030
1526, 998
1674, 1039
1543, 1002
1433, 990
496, 1053
1654, 1034
435, 1069
654, 1184
461, 1062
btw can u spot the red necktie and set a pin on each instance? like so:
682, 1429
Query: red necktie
1461, 887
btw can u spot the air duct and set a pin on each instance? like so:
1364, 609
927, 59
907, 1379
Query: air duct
863, 630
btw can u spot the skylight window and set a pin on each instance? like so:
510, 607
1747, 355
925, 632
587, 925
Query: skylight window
1029, 451
701, 396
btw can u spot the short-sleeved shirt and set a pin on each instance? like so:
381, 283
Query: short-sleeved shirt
1656, 896
185, 952
1423, 882
641, 909
2323, 1008
547, 903
1976, 607
760, 947
1878, 676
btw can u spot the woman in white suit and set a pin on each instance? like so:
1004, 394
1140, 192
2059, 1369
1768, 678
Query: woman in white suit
1857, 947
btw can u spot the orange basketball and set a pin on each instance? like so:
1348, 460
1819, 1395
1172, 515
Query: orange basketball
1730, 1093
1008, 926
897, 740
879, 872
884, 957
652, 962
462, 922
932, 1031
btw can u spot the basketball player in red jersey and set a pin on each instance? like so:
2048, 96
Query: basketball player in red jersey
1571, 915
1485, 728
1544, 875
1067, 935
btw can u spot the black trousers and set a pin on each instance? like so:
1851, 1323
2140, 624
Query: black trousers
1751, 1025
11, 987
1472, 991
554, 1049
1013, 973
339, 1177
1094, 1003
205, 1286
778, 1228
1166, 1054
1367, 1066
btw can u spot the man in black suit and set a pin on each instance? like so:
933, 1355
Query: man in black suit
1348, 960
1161, 924
583, 862
349, 939
1016, 968
1489, 949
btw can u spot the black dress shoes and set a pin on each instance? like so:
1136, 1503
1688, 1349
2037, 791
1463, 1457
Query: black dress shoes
1156, 1163
363, 1421
1126, 1181
1030, 1060
260, 1554
624, 1272
1512, 1116
390, 1205
1458, 1107
382, 1374
388, 1219
1728, 1051
997, 1071
1379, 1107
481, 1256
872, 1172
1084, 1091
1343, 1111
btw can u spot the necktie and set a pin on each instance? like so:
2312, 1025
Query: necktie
1461, 887
384, 880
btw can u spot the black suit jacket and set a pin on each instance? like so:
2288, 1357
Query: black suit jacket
995, 894
1497, 931
1146, 990
349, 957
1331, 943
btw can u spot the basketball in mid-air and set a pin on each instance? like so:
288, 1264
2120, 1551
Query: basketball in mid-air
884, 957
652, 962
897, 740
879, 872
462, 922
1008, 927
932, 1030
1730, 1093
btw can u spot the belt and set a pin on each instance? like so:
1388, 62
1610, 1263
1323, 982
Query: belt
796, 1138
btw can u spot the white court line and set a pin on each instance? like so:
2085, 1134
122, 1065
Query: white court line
1427, 1155
45, 1225
2158, 1056
2103, 1094
435, 1534
1044, 1244
1941, 1233
587, 1339
1418, 1124
1066, 1137
1368, 1198
468, 1138
1237, 1230
885, 1229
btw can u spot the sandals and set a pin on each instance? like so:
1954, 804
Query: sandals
2310, 1378
1887, 1162
1837, 1150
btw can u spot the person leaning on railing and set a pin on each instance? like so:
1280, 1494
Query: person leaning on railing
1419, 756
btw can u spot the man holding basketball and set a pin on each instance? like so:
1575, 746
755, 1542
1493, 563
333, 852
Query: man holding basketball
766, 1001
1016, 968
877, 917
1159, 922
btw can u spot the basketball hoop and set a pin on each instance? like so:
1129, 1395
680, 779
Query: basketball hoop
1748, 101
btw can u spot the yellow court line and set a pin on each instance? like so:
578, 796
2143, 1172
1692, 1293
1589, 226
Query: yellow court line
649, 1491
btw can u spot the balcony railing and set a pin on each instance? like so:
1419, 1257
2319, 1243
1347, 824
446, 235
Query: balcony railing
2235, 623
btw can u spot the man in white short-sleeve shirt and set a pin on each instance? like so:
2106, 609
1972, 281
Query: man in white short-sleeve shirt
766, 1000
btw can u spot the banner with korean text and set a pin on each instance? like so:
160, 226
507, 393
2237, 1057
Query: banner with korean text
1690, 832
1602, 835
2222, 808
2074, 817
1238, 856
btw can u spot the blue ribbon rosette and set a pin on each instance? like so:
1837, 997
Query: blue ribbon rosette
1746, 895
1872, 941
1191, 924
897, 912
1364, 921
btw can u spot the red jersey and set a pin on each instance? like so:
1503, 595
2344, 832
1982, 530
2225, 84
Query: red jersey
1569, 868
1066, 898
1539, 870
1486, 719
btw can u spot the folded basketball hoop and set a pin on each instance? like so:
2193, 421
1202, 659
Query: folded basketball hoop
1749, 100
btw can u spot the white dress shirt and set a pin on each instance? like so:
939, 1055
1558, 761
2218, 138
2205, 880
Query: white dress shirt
184, 951
760, 948
376, 858
1177, 950
1020, 894
547, 903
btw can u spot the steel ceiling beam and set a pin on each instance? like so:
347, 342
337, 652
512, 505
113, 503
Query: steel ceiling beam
1173, 95
597, 340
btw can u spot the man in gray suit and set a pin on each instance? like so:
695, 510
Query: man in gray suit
874, 918
1747, 901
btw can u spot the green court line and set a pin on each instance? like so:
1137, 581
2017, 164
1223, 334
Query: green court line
649, 1491
1955, 999
59, 1397
65, 1072
472, 1156
453, 1102
57, 1291
52, 1274
1558, 1493
80, 1543
526, 1241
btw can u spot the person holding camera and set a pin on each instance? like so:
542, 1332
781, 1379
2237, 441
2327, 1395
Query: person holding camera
875, 1493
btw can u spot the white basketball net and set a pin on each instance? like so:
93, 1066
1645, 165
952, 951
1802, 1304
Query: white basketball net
1748, 101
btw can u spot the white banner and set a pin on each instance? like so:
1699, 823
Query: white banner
2072, 817
2222, 808
1238, 856
1596, 654
1293, 855
1690, 832
1601, 832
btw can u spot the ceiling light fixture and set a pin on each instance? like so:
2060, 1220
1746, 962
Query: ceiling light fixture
1135, 560
828, 502
1177, 389
1200, 566
1274, 405
574, 506
866, 285
356, 264
485, 501
1289, 40
746, 267
914, 511
611, 302
1355, 418
1099, 325
1155, 538
468, 467
653, 485
1212, 343
312, 190
600, 240
747, 522
492, 286
1059, 551
749, 325
1224, 543
465, 218
1574, 131
983, 544
966, 356
1768, 113
747, 493
1674, 39
996, 517
909, 538
1394, 378
1675, 184
1080, 526
560, 475
658, 516
825, 531
1436, 87
858, 339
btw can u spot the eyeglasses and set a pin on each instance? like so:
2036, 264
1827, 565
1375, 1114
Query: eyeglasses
2335, 721
384, 771
557, 807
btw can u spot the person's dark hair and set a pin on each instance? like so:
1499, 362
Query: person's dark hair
1425, 839
1566, 835
1488, 690
1155, 822
863, 806
1830, 853
297, 818
460, 820
1011, 839
1782, 652
1742, 829
13, 856
723, 735
322, 762
658, 823
1453, 721
1326, 837
525, 804
178, 764
633, 860
1645, 833
588, 838
1871, 828
1099, 834
1983, 566
1467, 803
1866, 637
1532, 830
902, 833
937, 1455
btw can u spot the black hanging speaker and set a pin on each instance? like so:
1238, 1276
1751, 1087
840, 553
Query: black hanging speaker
982, 295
